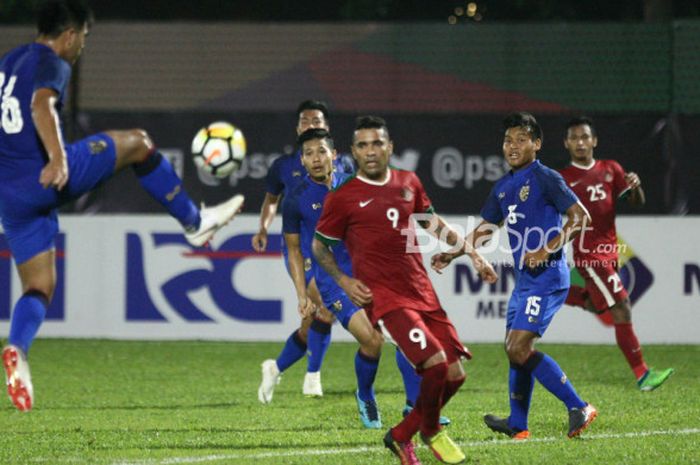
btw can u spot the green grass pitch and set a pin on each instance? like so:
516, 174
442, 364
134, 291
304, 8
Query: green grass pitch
128, 403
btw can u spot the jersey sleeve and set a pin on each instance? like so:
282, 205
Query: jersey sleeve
273, 180
52, 73
291, 215
331, 227
556, 191
619, 184
491, 211
423, 204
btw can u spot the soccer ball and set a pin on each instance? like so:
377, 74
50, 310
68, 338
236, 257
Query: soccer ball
218, 149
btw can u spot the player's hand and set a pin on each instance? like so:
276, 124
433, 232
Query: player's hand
260, 241
535, 258
485, 269
633, 180
440, 261
306, 307
55, 173
358, 292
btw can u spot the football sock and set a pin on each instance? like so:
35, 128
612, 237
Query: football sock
411, 379
577, 296
159, 179
27, 316
318, 340
293, 350
520, 384
629, 345
365, 370
551, 376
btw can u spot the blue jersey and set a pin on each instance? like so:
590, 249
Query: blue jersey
530, 203
302, 209
23, 70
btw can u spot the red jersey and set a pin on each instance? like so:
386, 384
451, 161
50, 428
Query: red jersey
372, 220
598, 187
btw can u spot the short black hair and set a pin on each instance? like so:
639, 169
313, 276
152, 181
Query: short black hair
55, 16
313, 105
371, 122
524, 120
580, 121
315, 133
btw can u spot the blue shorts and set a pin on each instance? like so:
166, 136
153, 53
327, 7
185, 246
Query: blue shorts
342, 307
533, 310
308, 264
28, 211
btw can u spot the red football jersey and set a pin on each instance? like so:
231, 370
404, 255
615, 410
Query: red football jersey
369, 218
598, 187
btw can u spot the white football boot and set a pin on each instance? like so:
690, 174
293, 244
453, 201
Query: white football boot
312, 384
213, 219
18, 378
270, 378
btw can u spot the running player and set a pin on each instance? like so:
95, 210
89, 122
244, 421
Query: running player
600, 184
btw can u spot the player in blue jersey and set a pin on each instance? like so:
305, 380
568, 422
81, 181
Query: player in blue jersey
314, 334
529, 202
39, 172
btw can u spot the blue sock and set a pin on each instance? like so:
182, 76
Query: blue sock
365, 370
293, 350
159, 179
551, 376
27, 316
411, 379
319, 339
520, 384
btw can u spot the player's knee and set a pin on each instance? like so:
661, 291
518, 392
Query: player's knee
517, 353
435, 359
621, 312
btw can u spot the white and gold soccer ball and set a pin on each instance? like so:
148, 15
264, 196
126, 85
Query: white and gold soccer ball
219, 149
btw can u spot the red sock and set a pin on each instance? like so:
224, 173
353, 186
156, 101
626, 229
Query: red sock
426, 413
629, 345
577, 296
451, 388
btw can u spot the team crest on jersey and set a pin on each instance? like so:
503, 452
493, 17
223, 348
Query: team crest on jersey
316, 206
337, 306
296, 174
307, 264
97, 146
608, 177
501, 195
407, 194
524, 193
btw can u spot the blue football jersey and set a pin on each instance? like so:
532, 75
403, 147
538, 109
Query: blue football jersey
301, 211
530, 203
22, 71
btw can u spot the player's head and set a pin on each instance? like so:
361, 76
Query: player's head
312, 114
372, 147
581, 139
521, 140
65, 23
317, 153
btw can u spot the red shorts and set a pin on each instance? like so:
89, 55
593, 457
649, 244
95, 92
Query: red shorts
603, 285
420, 335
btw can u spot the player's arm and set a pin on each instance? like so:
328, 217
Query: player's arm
267, 215
577, 220
635, 193
296, 270
437, 226
355, 289
46, 121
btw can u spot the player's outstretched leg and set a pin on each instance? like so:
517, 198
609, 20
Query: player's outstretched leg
18, 378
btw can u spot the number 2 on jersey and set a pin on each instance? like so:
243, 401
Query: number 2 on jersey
11, 121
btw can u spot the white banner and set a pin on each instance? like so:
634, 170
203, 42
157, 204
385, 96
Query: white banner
135, 277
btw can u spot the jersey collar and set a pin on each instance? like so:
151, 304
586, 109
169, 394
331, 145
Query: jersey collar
375, 183
584, 167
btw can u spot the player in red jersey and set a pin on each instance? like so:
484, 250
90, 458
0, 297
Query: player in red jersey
371, 213
600, 184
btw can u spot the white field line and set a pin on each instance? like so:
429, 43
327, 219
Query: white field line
356, 450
